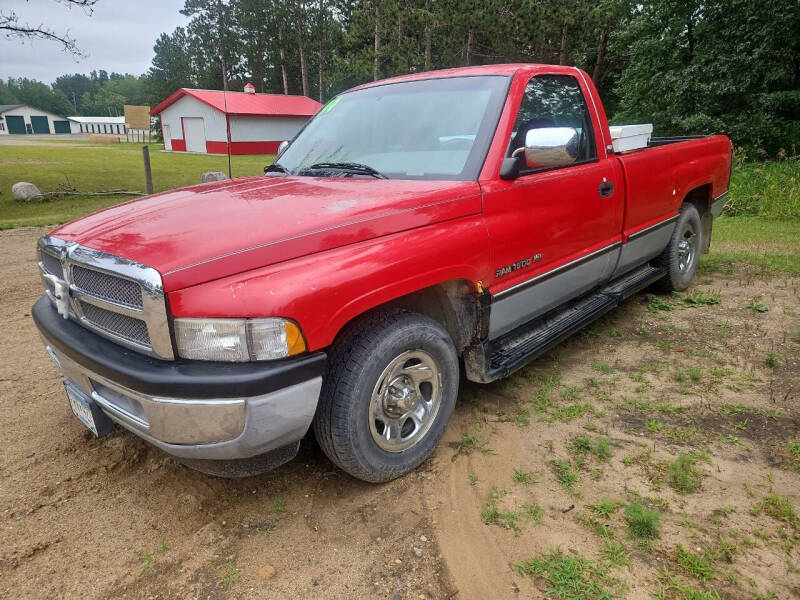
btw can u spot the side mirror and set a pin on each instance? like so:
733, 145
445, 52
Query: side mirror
282, 147
551, 146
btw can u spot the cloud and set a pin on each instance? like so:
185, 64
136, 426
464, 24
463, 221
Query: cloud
118, 36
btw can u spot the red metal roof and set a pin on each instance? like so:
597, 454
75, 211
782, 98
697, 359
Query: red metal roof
239, 103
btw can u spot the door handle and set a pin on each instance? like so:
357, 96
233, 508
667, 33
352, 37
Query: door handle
606, 189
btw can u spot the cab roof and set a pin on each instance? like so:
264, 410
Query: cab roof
508, 69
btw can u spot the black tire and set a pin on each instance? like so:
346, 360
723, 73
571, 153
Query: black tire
343, 424
680, 271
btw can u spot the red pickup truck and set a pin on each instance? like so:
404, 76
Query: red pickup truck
455, 221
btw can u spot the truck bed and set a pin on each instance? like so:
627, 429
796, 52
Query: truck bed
659, 177
663, 141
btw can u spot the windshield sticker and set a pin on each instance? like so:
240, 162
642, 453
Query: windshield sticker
329, 106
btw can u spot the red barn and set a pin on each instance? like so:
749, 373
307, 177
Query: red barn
199, 120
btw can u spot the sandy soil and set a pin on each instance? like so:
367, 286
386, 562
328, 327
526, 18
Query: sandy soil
113, 518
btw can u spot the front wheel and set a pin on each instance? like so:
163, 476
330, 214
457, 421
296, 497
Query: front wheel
682, 254
388, 395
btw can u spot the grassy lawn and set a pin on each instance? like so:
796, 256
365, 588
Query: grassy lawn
768, 189
771, 244
96, 167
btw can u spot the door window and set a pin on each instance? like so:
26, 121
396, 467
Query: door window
554, 101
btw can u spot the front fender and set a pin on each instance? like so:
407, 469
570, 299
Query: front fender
324, 291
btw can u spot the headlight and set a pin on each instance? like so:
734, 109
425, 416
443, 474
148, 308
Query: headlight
237, 340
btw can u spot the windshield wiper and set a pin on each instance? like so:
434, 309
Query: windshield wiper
359, 168
276, 168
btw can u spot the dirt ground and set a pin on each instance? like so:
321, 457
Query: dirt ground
113, 518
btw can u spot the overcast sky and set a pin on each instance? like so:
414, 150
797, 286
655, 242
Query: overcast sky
118, 36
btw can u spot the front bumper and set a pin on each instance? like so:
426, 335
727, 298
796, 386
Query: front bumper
190, 409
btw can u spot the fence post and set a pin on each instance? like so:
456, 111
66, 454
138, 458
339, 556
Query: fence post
148, 176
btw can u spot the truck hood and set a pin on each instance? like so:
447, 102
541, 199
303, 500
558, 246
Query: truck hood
201, 233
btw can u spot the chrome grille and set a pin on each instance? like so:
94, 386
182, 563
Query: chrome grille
109, 287
51, 264
117, 298
134, 330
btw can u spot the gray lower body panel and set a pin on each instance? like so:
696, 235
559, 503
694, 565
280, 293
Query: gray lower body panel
529, 300
511, 309
643, 247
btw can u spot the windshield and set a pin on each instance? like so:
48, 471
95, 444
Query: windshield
424, 129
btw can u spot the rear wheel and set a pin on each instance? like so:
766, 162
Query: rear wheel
682, 254
388, 395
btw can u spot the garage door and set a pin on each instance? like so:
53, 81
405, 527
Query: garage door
61, 126
195, 133
15, 124
40, 125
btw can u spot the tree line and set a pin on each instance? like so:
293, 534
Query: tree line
688, 66
98, 94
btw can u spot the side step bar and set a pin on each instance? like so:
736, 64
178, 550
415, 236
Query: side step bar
516, 348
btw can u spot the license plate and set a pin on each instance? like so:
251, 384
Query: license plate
81, 405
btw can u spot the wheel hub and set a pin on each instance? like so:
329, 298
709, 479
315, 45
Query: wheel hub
687, 249
400, 398
405, 401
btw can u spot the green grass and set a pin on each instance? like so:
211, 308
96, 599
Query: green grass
599, 447
699, 566
96, 167
683, 475
227, 574
614, 553
508, 519
565, 475
756, 305
604, 368
604, 508
778, 507
693, 374
643, 523
148, 559
467, 444
658, 303
524, 477
698, 297
571, 577
768, 189
774, 359
770, 244
147, 565
794, 454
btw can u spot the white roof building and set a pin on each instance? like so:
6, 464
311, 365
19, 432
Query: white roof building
98, 124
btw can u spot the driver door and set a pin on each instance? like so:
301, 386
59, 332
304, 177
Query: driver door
554, 232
